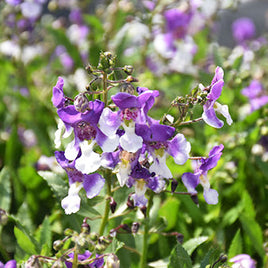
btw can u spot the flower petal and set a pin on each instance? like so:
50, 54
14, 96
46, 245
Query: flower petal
93, 184
211, 196
209, 116
190, 181
89, 161
179, 148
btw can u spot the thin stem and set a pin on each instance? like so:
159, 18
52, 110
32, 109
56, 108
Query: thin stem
105, 89
181, 193
75, 260
107, 207
143, 259
191, 121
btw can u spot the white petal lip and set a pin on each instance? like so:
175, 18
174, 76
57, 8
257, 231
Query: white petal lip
130, 141
89, 161
110, 144
71, 151
109, 122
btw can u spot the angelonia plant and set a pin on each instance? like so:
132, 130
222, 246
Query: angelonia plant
106, 141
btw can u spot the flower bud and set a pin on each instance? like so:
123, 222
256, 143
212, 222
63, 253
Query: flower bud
112, 262
113, 205
128, 69
85, 228
135, 227
33, 262
57, 245
130, 202
174, 185
143, 210
100, 248
58, 264
94, 236
81, 103
3, 217
89, 69
68, 232
195, 199
180, 238
106, 61
104, 240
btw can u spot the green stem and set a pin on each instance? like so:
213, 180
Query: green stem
143, 259
75, 260
105, 91
107, 207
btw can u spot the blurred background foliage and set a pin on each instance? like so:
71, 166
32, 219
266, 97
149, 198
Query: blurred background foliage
35, 51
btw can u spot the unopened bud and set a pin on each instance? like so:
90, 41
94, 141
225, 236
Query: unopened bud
180, 238
143, 210
68, 232
113, 205
112, 262
57, 245
130, 202
89, 69
81, 103
58, 264
104, 240
135, 227
131, 79
128, 69
85, 228
195, 199
3, 217
100, 248
106, 61
174, 185
33, 262
94, 236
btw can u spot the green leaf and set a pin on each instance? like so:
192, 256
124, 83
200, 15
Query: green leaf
116, 245
210, 257
193, 243
56, 183
236, 245
24, 241
5, 189
253, 230
169, 211
46, 234
179, 258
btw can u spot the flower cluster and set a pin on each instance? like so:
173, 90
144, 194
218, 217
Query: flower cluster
122, 137
125, 139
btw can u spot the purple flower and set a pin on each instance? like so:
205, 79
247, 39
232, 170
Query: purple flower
82, 119
211, 106
13, 2
191, 180
142, 179
92, 184
157, 139
255, 94
177, 22
133, 110
243, 29
98, 263
9, 264
31, 10
243, 261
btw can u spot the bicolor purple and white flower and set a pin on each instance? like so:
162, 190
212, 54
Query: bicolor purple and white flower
159, 144
142, 179
82, 119
212, 106
92, 183
191, 180
133, 110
